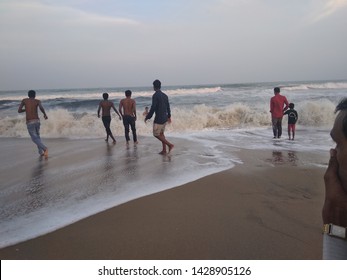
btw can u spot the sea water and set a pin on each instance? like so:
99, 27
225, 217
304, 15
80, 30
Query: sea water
210, 123
72, 112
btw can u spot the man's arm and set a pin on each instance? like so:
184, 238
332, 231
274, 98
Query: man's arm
21, 106
168, 110
120, 107
99, 109
42, 110
334, 211
335, 204
151, 111
134, 110
114, 108
271, 105
287, 104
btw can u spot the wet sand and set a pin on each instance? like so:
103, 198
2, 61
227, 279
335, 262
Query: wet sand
268, 208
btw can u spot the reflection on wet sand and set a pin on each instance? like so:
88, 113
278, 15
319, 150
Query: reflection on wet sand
35, 187
283, 157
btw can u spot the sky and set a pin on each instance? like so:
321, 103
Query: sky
46, 44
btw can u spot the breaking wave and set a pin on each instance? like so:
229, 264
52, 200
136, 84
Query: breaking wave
67, 124
313, 86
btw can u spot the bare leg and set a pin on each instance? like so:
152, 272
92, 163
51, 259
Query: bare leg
163, 151
171, 147
45, 153
114, 140
165, 143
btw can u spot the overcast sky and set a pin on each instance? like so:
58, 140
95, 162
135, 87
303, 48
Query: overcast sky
110, 43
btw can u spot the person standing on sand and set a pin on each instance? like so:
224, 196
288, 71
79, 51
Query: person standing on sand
292, 119
29, 106
161, 107
334, 212
127, 108
277, 108
106, 106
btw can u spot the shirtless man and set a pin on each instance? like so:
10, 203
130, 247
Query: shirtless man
127, 108
29, 106
106, 106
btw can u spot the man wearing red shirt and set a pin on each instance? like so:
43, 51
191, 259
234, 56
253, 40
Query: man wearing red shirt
277, 108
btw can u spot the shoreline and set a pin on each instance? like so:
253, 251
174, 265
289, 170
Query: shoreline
265, 208
84, 177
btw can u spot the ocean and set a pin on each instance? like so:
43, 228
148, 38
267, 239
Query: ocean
72, 112
210, 123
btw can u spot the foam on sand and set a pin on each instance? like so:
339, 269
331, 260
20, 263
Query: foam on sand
84, 177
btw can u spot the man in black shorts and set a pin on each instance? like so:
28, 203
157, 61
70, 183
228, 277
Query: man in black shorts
106, 106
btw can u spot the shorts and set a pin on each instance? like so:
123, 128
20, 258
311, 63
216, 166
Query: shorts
291, 127
158, 129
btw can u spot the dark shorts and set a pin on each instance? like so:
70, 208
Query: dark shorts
106, 121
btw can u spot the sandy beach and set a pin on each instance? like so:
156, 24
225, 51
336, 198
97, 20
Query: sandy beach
268, 207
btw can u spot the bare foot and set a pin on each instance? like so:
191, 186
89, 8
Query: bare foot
45, 153
162, 153
171, 147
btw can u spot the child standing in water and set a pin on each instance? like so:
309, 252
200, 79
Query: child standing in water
292, 118
145, 113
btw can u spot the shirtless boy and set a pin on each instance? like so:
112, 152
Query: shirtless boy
106, 106
127, 108
29, 106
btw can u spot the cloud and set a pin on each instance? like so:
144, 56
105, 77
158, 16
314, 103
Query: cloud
31, 9
38, 25
86, 18
328, 9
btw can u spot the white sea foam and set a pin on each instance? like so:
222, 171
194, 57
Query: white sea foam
64, 123
313, 86
61, 191
317, 113
82, 178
